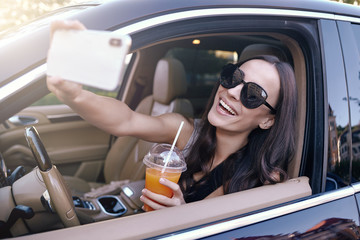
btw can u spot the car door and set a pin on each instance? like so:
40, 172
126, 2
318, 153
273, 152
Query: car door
325, 214
76, 147
331, 212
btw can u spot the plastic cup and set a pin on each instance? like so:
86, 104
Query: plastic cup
155, 161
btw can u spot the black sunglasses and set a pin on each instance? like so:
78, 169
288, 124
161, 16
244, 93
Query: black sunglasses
252, 95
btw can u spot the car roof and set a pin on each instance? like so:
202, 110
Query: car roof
135, 10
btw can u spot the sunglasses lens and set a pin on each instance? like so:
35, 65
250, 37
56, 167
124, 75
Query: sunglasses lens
226, 83
228, 78
252, 95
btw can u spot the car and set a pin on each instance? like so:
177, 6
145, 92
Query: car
48, 149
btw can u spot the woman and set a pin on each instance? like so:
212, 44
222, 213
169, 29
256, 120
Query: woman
245, 138
264, 136
241, 142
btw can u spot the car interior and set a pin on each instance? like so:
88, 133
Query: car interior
174, 75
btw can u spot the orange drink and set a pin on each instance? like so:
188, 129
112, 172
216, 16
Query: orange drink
152, 182
161, 162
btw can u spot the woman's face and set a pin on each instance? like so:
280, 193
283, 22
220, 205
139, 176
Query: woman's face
229, 114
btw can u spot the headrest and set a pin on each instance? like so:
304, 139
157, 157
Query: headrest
262, 49
169, 80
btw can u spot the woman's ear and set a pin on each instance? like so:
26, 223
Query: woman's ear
267, 123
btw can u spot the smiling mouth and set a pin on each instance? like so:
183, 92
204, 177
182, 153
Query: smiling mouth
226, 107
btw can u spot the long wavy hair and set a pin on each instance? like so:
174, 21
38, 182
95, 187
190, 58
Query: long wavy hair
267, 152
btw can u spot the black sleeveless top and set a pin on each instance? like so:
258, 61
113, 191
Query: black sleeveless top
196, 191
209, 183
206, 185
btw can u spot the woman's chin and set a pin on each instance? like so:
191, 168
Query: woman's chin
215, 119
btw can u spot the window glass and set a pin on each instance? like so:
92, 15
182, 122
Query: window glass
338, 164
354, 97
51, 99
338, 154
202, 69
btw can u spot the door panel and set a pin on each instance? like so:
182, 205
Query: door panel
75, 147
333, 220
331, 215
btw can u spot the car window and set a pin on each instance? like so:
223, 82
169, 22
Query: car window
344, 132
354, 97
338, 162
51, 99
202, 69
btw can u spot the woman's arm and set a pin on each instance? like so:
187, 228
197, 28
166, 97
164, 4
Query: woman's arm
114, 116
117, 118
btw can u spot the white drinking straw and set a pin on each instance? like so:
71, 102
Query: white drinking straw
172, 147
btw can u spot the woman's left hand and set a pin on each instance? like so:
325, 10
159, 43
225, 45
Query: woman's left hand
158, 201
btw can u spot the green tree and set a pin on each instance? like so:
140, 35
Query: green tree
348, 1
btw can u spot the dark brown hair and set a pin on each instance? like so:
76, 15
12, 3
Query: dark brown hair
267, 152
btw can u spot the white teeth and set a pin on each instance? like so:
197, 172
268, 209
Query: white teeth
227, 107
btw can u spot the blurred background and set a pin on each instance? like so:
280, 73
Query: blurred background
16, 12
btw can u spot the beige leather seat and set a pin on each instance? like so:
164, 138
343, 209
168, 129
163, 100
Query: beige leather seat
124, 160
262, 49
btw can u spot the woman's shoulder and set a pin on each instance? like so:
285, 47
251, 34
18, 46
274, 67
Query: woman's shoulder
196, 129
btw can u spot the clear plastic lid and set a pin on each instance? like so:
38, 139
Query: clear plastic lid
157, 156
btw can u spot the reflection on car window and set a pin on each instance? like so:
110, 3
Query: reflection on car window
338, 152
354, 97
338, 156
344, 140
202, 69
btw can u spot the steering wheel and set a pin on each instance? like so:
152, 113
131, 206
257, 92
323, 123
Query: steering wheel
59, 193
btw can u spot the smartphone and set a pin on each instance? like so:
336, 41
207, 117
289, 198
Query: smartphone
89, 57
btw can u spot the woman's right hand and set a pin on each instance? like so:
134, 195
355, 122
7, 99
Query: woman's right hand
66, 91
158, 201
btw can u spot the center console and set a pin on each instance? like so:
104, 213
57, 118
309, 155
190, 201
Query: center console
109, 202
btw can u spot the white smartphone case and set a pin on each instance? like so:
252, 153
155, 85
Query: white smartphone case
89, 57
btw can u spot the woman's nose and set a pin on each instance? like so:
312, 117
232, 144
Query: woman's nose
235, 92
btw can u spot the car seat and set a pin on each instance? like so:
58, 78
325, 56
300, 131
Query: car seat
262, 49
124, 159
